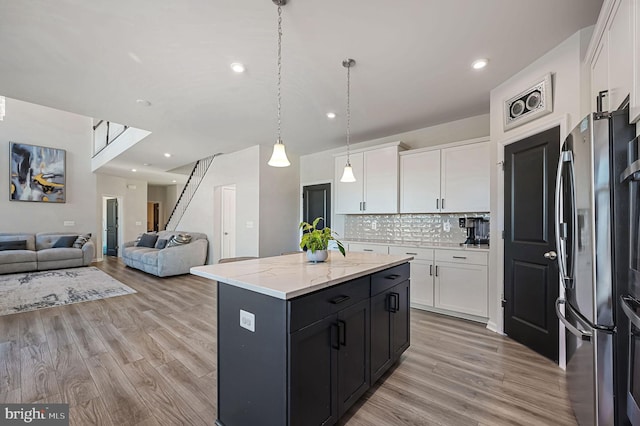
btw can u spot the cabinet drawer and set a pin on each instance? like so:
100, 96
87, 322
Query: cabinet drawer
369, 248
384, 280
313, 307
461, 256
417, 253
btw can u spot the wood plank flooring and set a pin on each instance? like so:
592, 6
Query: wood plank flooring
150, 359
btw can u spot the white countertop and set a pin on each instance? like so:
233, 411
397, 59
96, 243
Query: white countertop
292, 275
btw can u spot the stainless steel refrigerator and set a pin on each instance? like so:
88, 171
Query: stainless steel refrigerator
592, 240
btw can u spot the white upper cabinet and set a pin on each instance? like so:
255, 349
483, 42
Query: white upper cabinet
600, 74
620, 52
634, 114
452, 180
376, 188
465, 178
420, 182
349, 195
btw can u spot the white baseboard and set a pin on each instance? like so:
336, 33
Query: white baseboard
449, 313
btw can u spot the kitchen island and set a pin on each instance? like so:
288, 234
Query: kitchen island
299, 343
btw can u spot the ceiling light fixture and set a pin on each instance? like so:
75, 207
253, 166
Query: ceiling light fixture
134, 170
146, 164
143, 102
174, 181
478, 64
166, 154
331, 115
3, 106
237, 67
279, 156
347, 175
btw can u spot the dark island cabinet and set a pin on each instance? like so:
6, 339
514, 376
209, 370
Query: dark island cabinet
305, 361
389, 319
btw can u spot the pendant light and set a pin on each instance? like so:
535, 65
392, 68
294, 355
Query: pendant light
347, 175
279, 156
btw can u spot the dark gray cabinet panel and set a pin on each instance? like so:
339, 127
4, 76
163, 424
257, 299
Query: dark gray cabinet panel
401, 319
313, 374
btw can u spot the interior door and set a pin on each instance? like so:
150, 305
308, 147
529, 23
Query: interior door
228, 221
531, 272
112, 227
316, 202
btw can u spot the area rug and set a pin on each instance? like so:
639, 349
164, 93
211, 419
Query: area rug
28, 291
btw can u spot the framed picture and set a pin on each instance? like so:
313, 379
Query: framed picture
37, 173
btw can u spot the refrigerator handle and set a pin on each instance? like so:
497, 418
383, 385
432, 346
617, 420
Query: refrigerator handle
574, 224
562, 258
628, 304
582, 334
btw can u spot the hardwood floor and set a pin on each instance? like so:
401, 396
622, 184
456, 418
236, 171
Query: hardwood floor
150, 359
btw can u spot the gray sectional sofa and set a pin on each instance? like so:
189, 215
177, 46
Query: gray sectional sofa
40, 254
170, 260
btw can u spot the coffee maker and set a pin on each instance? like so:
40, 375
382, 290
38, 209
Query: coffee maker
477, 230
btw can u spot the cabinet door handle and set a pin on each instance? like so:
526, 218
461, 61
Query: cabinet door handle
397, 297
413, 254
430, 270
339, 299
437, 203
367, 249
436, 270
342, 333
360, 208
443, 203
392, 276
335, 341
364, 206
393, 305
459, 257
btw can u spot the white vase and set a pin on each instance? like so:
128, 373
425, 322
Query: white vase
318, 256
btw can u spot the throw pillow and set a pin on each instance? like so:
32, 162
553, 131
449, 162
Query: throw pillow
81, 240
65, 241
13, 245
148, 240
161, 243
179, 240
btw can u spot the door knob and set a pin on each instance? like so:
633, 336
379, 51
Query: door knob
551, 255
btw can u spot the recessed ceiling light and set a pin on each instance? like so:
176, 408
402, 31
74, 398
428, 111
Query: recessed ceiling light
237, 67
146, 164
166, 154
143, 102
133, 170
480, 63
174, 181
331, 115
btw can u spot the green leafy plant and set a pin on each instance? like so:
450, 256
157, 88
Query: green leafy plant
317, 239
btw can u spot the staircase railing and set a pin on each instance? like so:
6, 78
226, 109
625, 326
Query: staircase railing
197, 174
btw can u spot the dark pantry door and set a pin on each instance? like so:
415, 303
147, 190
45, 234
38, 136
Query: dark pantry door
531, 279
316, 202
112, 227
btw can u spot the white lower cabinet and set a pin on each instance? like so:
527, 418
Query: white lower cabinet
453, 282
461, 282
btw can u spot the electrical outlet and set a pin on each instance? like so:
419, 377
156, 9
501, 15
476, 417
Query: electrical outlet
69, 223
374, 225
138, 223
248, 321
249, 224
446, 226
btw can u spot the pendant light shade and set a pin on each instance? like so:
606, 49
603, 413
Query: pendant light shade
347, 175
279, 156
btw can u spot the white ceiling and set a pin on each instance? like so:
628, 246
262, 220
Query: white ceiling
413, 66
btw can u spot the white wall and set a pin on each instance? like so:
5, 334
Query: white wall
134, 205
565, 62
241, 168
319, 167
279, 203
38, 125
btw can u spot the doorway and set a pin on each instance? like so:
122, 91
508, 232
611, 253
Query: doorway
228, 231
111, 228
531, 283
316, 202
153, 216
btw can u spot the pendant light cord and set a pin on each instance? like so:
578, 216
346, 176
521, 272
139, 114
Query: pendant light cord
279, 67
348, 111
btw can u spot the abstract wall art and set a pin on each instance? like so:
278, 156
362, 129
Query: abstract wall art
37, 173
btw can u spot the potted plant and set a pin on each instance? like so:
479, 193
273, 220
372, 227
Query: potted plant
316, 241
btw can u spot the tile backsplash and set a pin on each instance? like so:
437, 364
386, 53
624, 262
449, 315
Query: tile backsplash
407, 228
